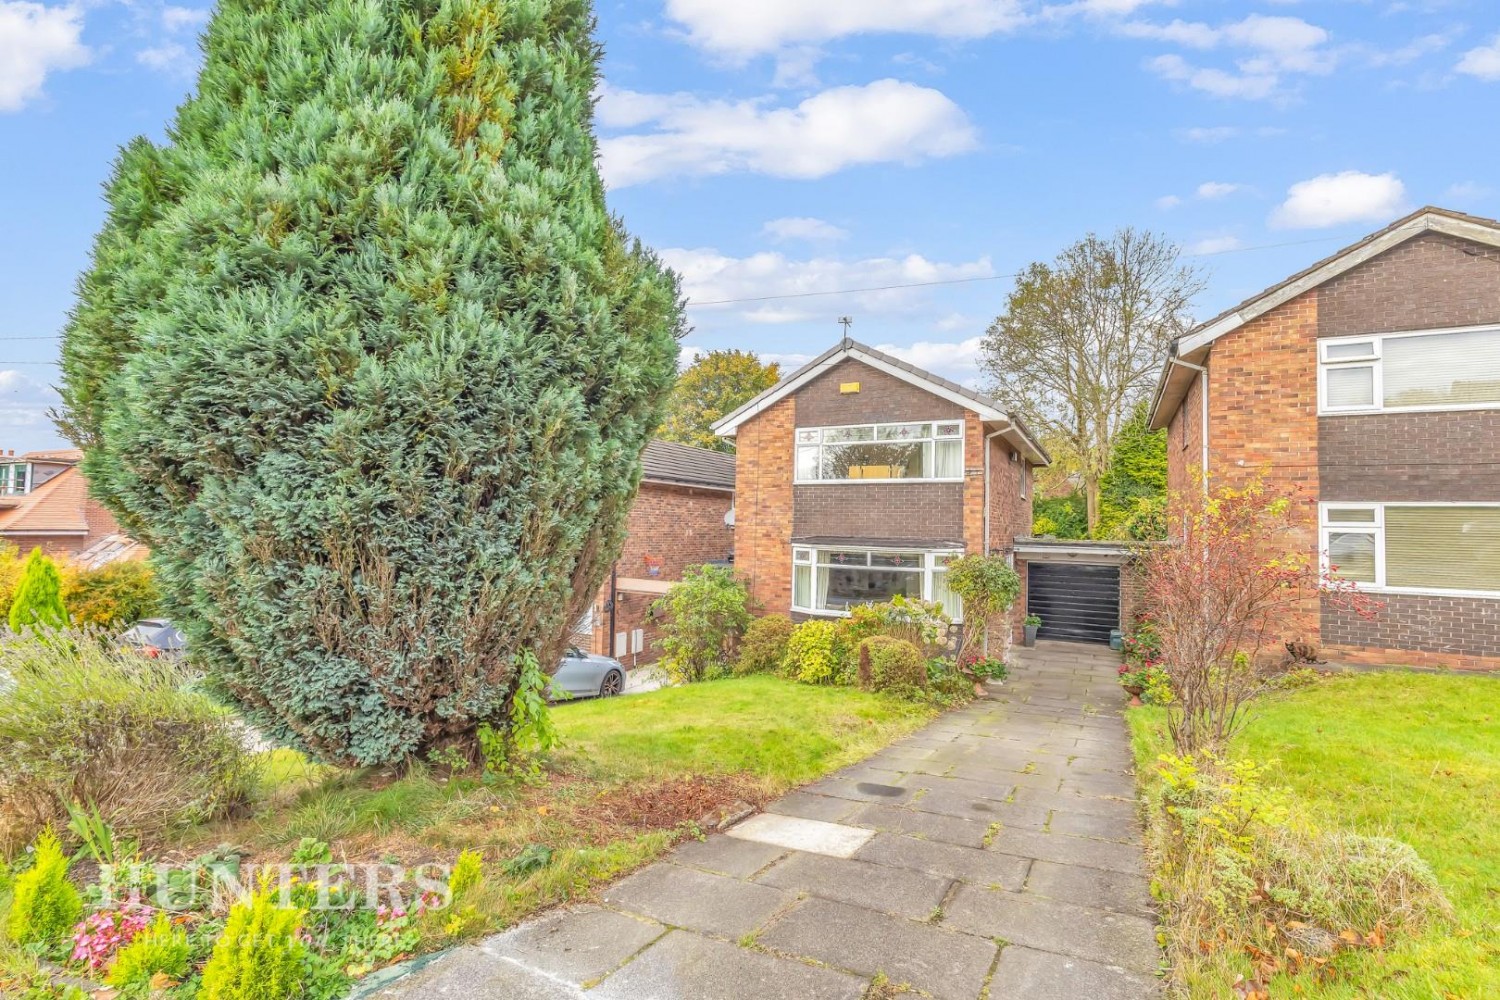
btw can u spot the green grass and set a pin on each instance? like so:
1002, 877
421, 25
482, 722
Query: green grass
769, 728
1410, 756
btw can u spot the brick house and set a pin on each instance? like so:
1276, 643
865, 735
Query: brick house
45, 503
681, 517
860, 476
1368, 385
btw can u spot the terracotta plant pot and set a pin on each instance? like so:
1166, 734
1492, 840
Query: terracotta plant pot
1135, 694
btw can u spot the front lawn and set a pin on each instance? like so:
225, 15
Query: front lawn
1415, 757
632, 777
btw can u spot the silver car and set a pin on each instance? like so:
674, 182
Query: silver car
584, 675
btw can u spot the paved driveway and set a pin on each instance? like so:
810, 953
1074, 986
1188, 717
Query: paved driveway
993, 854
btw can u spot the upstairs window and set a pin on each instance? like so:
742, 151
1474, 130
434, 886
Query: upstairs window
15, 477
932, 450
1440, 370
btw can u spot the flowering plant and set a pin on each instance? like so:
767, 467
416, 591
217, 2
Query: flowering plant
98, 936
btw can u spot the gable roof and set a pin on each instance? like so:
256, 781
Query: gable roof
56, 507
1194, 345
989, 409
670, 462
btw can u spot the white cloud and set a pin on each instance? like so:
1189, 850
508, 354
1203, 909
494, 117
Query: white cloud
1167, 202
177, 19
1214, 244
1467, 191
1214, 190
1336, 199
887, 121
803, 228
1217, 82
1216, 133
961, 358
170, 56
1483, 62
34, 41
739, 31
788, 362
24, 402
710, 277
1272, 48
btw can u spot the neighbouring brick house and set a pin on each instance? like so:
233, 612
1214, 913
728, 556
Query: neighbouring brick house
680, 518
859, 477
45, 503
1369, 386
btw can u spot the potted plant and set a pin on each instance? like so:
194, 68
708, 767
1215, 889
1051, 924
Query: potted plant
1133, 681
1030, 626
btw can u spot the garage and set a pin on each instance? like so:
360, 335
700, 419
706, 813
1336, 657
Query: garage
1073, 586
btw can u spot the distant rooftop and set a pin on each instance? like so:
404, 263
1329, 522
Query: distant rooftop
670, 462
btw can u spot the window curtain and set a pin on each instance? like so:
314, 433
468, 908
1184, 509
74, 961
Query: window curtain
950, 460
822, 575
1450, 369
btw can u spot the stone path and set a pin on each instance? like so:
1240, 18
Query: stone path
995, 854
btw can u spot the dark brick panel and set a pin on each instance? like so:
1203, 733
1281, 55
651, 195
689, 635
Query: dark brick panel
1451, 626
1410, 456
917, 511
881, 399
1426, 283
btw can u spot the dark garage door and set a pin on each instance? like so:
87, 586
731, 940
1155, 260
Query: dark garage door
1076, 603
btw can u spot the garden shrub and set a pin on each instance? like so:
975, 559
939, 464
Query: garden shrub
887, 664
703, 616
259, 955
817, 653
468, 871
988, 587
763, 647
38, 598
44, 905
114, 595
366, 360
161, 949
924, 624
112, 730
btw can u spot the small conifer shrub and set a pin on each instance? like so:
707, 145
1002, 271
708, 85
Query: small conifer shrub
44, 905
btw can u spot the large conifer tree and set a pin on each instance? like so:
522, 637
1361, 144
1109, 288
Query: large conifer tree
364, 359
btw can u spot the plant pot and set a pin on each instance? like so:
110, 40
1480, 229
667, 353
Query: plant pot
1030, 635
1135, 694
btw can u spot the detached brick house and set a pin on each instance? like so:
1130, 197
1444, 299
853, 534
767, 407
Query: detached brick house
681, 517
1369, 384
860, 477
45, 503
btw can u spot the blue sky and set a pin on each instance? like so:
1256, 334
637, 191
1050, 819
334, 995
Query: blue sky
779, 147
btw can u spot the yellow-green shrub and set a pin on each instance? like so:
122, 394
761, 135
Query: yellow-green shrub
468, 871
44, 906
763, 647
259, 956
816, 653
159, 949
888, 664
114, 595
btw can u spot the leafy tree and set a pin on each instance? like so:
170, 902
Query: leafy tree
1064, 516
1133, 492
1081, 339
717, 383
38, 600
366, 361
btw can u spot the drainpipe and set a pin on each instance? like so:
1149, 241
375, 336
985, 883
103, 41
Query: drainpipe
614, 602
1203, 419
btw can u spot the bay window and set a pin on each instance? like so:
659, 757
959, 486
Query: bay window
831, 580
1432, 370
1414, 547
930, 450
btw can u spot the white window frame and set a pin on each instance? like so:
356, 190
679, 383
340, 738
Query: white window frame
961, 438
1376, 363
1326, 526
806, 555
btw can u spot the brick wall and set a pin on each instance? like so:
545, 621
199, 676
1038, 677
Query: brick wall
678, 527
1410, 456
881, 398
52, 545
1185, 442
1417, 630
1426, 283
763, 504
911, 511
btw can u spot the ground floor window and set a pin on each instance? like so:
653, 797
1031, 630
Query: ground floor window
830, 580
1416, 547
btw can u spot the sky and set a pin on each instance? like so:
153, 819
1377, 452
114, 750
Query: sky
774, 150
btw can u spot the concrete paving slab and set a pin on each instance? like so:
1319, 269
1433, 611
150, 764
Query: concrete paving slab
931, 826
903, 892
471, 974
1061, 848
861, 791
726, 855
811, 835
951, 803
1096, 887
811, 806
1051, 925
1125, 831
1027, 974
969, 864
576, 945
946, 965
697, 900
1074, 803
685, 966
